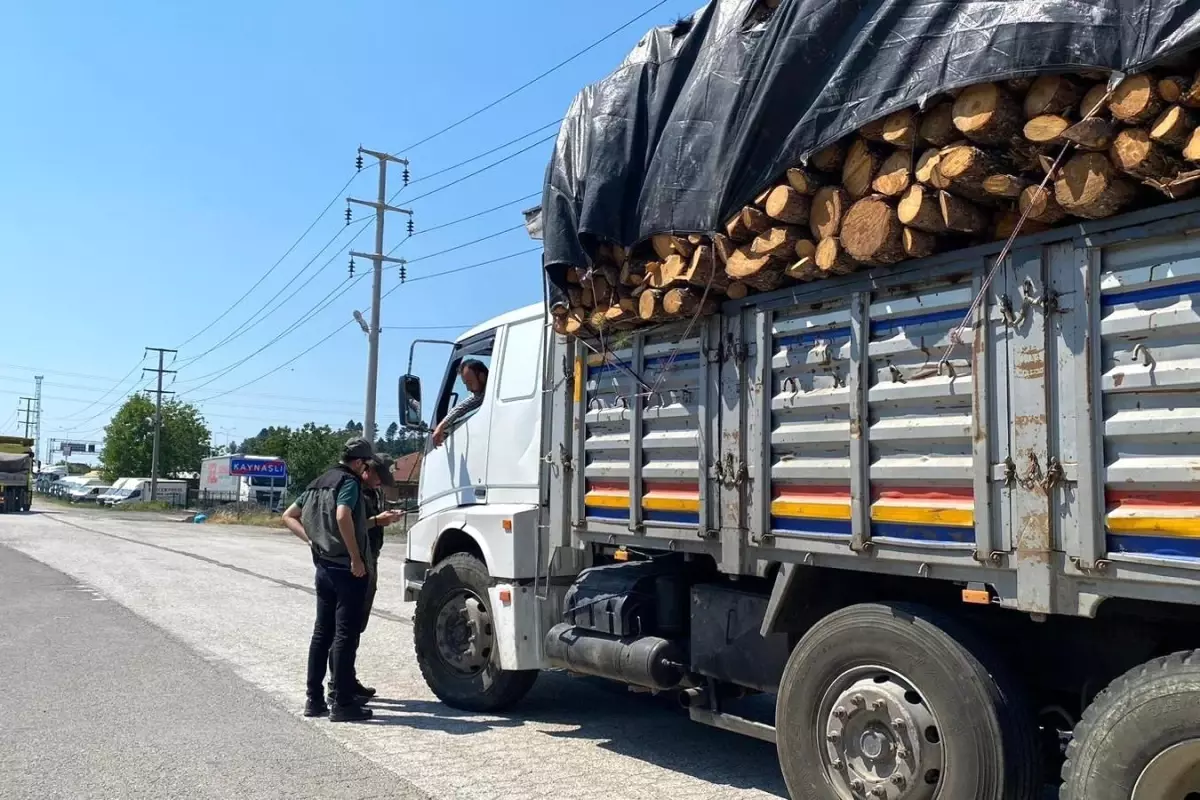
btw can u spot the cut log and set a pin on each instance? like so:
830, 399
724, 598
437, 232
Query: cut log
755, 221
1088, 186
918, 208
828, 207
704, 271
601, 289
569, 325
1046, 129
918, 244
688, 302
1052, 94
987, 114
1136, 100
761, 199
650, 305
926, 169
1040, 206
872, 233
632, 272
964, 167
744, 265
1019, 86
779, 242
1091, 134
574, 296
1134, 153
900, 129
1191, 150
961, 215
1191, 98
862, 162
803, 181
1002, 185
788, 205
804, 268
828, 159
586, 298
832, 259
1173, 88
723, 247
1173, 127
872, 131
736, 229
937, 125
895, 174
768, 279
662, 245
1094, 103
1005, 223
737, 291
628, 303
572, 274
560, 309
673, 270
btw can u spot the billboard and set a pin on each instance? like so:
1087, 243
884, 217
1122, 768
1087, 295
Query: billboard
248, 466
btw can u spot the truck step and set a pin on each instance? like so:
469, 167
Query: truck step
734, 724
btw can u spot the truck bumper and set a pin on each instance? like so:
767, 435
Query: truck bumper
413, 579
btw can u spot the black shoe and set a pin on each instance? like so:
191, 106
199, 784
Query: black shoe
315, 708
365, 691
349, 714
358, 700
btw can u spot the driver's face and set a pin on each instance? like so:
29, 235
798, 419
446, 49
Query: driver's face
474, 384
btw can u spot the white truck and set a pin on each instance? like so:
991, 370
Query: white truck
239, 478
943, 558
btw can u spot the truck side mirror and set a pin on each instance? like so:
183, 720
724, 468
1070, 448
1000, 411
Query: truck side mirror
410, 402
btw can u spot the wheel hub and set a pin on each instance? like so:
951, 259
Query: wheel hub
464, 633
882, 742
1174, 774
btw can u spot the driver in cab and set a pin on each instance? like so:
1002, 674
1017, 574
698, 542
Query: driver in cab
474, 376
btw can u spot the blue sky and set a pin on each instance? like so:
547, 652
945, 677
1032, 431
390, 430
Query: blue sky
158, 158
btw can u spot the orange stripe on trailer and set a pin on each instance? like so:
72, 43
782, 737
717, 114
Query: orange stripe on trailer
1121, 498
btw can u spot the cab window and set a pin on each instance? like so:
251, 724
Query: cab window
454, 390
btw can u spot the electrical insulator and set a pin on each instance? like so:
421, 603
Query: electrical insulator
411, 227
406, 175
403, 272
351, 266
358, 161
348, 215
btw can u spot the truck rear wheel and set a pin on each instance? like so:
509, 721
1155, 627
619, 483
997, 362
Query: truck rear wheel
1140, 737
455, 639
886, 701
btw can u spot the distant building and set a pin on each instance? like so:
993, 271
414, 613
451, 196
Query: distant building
407, 472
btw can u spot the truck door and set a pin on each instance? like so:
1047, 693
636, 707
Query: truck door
456, 472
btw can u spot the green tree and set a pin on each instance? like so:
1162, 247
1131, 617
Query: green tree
129, 440
272, 441
390, 435
312, 449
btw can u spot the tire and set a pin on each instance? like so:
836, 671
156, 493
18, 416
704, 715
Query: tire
490, 688
1140, 716
921, 665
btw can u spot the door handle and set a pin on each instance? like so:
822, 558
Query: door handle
480, 492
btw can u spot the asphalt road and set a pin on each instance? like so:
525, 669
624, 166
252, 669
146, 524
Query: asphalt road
205, 684
101, 704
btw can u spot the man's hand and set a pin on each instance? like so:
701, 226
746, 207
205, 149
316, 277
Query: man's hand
439, 435
386, 518
357, 568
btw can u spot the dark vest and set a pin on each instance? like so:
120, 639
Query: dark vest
319, 517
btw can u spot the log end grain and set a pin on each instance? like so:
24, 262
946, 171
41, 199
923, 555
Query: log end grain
872, 233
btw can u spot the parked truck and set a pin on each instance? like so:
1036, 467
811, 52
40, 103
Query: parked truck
943, 556
137, 490
240, 478
16, 473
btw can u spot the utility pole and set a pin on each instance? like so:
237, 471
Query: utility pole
27, 411
377, 258
37, 410
158, 394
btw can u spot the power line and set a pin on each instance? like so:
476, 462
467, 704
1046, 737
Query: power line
433, 275
337, 196
115, 386
534, 80
478, 213
466, 244
479, 171
497, 148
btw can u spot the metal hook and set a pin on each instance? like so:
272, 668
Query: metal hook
897, 375
821, 351
1143, 352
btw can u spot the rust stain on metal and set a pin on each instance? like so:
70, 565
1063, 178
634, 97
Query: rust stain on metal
1033, 536
978, 414
1025, 420
1031, 363
855, 427
1118, 379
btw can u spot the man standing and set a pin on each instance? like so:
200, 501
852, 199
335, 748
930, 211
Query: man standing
475, 375
378, 475
331, 518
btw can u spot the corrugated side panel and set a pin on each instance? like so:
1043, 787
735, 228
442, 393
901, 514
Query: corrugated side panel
1150, 377
667, 489
921, 466
810, 421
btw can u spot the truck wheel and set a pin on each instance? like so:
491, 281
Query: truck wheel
455, 639
1140, 737
885, 700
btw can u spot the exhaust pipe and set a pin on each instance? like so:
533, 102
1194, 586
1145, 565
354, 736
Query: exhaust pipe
648, 661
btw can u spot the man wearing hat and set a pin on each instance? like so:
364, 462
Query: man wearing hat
331, 517
378, 475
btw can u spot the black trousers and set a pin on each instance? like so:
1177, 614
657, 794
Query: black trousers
341, 601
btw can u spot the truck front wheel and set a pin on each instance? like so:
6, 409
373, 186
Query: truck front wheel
1140, 737
885, 701
456, 639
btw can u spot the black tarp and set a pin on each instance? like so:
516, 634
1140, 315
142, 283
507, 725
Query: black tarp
701, 117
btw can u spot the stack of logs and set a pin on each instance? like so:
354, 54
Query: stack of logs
960, 172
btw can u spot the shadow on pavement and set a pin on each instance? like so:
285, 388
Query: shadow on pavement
651, 728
